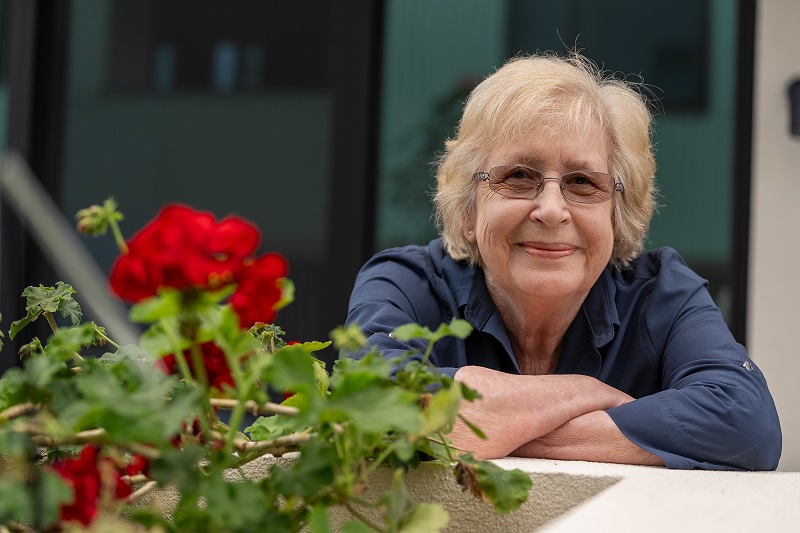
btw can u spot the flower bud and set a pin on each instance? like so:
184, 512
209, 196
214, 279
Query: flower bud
92, 221
32, 348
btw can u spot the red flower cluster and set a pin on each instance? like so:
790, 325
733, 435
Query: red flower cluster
184, 249
85, 476
216, 366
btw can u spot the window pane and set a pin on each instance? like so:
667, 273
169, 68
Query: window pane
436, 51
215, 105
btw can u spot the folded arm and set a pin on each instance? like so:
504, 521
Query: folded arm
517, 410
590, 437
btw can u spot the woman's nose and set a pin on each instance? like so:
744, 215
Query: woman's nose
550, 207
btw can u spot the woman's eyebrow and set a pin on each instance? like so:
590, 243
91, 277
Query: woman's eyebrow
537, 162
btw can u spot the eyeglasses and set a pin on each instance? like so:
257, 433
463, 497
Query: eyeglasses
581, 186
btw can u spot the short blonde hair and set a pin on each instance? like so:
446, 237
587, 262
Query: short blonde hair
552, 92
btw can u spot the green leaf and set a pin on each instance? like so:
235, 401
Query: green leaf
357, 373
231, 338
52, 299
318, 520
441, 412
310, 474
350, 339
505, 489
17, 326
395, 502
234, 506
321, 379
287, 293
272, 427
42, 370
375, 409
14, 388
129, 352
130, 400
469, 394
15, 500
67, 340
156, 341
167, 304
404, 450
356, 527
54, 492
294, 369
178, 468
475, 429
456, 328
407, 332
425, 518
71, 310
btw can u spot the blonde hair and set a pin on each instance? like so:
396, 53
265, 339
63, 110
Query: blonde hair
554, 93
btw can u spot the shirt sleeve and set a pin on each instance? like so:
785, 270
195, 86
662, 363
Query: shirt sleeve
715, 410
395, 288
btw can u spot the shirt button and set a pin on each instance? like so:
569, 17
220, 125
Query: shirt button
748, 366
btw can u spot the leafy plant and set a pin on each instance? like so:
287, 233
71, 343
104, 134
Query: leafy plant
86, 439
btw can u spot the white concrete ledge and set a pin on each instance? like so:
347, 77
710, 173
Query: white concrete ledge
570, 496
659, 500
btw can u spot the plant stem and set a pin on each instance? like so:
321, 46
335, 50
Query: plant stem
198, 364
123, 247
294, 439
446, 446
237, 415
250, 406
186, 373
380, 459
50, 320
428, 351
97, 436
15, 411
109, 341
147, 488
251, 450
363, 518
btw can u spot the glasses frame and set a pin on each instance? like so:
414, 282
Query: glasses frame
485, 175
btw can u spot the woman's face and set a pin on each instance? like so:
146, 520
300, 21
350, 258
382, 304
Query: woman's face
546, 247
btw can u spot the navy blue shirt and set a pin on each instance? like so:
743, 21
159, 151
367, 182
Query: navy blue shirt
650, 330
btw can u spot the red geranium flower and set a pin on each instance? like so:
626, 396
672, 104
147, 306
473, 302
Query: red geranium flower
183, 248
83, 474
258, 290
138, 465
216, 365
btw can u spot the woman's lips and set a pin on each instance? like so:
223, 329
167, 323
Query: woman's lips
548, 250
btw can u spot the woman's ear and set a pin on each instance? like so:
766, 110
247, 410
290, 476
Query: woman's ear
469, 233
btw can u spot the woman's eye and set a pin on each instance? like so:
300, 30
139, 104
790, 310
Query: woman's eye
519, 174
580, 180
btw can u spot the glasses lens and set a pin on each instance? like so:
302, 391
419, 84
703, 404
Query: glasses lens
587, 187
515, 181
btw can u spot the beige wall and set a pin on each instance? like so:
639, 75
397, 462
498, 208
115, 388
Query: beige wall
774, 286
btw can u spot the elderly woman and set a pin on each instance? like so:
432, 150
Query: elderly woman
583, 347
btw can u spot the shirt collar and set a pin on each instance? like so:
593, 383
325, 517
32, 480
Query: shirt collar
469, 288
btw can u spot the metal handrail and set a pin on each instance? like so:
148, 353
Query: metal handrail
62, 247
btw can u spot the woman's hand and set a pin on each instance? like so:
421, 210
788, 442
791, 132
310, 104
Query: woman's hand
589, 437
515, 410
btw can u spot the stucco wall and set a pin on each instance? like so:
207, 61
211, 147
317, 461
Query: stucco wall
774, 289
569, 496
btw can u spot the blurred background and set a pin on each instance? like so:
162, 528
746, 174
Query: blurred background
319, 121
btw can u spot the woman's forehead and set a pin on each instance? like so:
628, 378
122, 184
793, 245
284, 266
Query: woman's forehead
579, 147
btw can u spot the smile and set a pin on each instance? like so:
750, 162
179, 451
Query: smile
548, 250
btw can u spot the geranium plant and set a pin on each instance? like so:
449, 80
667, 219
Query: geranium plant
86, 438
